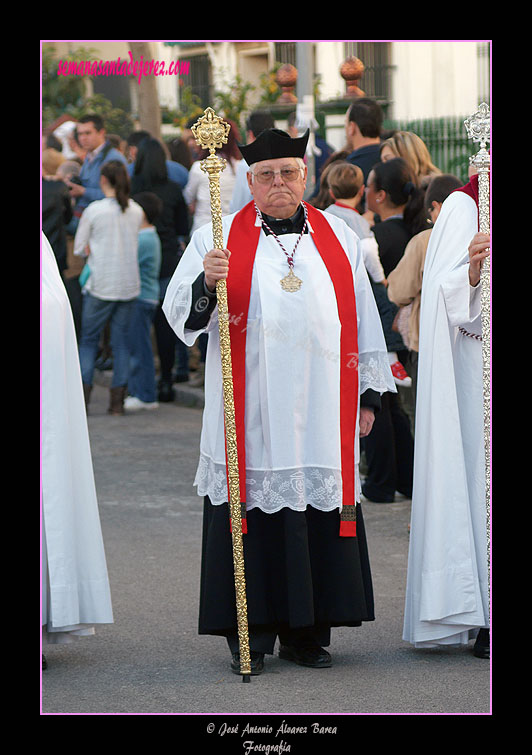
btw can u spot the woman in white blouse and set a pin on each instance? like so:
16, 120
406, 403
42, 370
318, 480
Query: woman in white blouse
108, 235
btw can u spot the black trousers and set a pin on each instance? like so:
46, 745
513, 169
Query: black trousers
166, 345
302, 578
389, 450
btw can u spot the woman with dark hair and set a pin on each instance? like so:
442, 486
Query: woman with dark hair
389, 449
180, 152
108, 234
172, 227
150, 165
391, 193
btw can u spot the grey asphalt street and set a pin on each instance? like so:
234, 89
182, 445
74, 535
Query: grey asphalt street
152, 661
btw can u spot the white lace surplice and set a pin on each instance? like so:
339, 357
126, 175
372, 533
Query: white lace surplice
292, 373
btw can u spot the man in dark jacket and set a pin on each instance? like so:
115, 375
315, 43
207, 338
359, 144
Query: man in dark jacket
92, 137
363, 133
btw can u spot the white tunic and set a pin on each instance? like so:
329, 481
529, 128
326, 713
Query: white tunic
447, 587
292, 406
75, 585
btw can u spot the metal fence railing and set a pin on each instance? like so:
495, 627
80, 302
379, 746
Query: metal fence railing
446, 140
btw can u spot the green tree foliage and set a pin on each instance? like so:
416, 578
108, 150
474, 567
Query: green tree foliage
189, 107
61, 94
233, 102
270, 89
67, 94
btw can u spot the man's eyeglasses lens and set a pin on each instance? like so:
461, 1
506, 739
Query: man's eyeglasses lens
287, 174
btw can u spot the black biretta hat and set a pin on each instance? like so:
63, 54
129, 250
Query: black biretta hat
272, 143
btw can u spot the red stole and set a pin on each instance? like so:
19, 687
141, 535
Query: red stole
242, 242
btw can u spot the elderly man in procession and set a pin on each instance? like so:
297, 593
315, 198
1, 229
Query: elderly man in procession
309, 365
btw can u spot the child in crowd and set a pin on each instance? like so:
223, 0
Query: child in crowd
141, 383
346, 188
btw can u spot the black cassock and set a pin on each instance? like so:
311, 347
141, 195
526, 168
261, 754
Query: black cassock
302, 578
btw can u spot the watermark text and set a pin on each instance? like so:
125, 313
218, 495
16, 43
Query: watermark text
124, 67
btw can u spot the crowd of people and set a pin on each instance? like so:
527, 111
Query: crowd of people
122, 216
346, 186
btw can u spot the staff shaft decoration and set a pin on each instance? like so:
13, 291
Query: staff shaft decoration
210, 132
478, 128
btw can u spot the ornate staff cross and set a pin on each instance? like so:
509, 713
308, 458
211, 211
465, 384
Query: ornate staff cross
478, 125
478, 129
210, 131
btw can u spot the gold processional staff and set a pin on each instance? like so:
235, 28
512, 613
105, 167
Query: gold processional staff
210, 132
478, 129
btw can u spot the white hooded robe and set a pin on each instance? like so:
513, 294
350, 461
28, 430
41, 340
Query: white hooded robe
447, 581
75, 584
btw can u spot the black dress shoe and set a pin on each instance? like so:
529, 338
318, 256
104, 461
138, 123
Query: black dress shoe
312, 656
481, 648
257, 663
377, 497
166, 393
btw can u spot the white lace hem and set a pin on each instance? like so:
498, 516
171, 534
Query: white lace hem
272, 490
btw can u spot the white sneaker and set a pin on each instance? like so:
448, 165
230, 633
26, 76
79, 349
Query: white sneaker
133, 403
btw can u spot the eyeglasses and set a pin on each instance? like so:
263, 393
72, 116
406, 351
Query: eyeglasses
266, 175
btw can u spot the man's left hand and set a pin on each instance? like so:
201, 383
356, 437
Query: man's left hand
75, 189
367, 418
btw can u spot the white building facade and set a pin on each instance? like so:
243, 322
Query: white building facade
426, 79
419, 79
